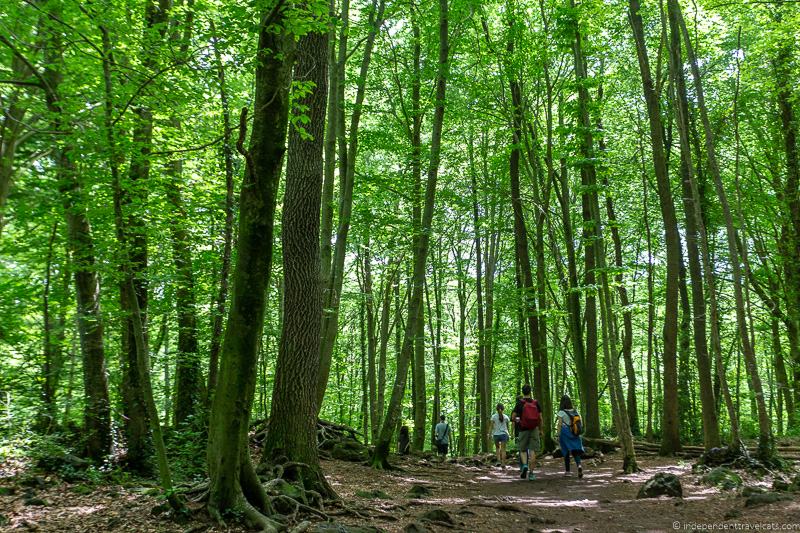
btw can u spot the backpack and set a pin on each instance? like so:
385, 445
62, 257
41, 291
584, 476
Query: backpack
444, 440
575, 422
531, 418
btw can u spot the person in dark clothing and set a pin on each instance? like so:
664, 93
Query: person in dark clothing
403, 442
527, 416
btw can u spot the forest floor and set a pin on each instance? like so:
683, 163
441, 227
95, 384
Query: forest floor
473, 498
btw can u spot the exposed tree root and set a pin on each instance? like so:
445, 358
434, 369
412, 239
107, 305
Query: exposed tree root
347, 510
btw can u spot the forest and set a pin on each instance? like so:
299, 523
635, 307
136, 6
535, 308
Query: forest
245, 247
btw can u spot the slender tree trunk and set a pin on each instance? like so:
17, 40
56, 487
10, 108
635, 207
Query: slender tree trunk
52, 346
233, 481
670, 440
695, 229
461, 292
765, 443
80, 243
371, 340
484, 392
347, 159
188, 376
12, 126
380, 455
222, 294
521, 233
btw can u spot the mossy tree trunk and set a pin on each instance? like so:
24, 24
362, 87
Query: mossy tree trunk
234, 486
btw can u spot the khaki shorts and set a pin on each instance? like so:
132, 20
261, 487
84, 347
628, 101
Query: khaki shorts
529, 440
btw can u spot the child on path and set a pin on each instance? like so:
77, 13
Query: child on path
569, 435
528, 415
500, 434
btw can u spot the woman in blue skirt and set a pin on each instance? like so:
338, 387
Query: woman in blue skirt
569, 434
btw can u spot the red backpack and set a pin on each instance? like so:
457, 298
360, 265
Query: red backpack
531, 418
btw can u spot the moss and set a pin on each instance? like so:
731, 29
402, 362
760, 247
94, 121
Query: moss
724, 478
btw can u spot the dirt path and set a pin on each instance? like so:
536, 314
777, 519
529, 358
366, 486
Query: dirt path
474, 499
492, 499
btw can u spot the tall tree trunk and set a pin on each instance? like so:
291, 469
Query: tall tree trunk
188, 375
12, 126
574, 317
347, 159
52, 346
222, 294
233, 481
129, 295
589, 178
80, 244
371, 339
381, 453
521, 233
670, 439
292, 423
461, 293
484, 390
695, 228
765, 443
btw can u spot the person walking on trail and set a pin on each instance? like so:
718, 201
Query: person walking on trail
569, 434
442, 435
528, 415
500, 434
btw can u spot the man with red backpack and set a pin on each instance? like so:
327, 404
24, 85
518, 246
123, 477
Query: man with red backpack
527, 416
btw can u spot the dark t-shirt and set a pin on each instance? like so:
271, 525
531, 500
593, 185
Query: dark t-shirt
518, 412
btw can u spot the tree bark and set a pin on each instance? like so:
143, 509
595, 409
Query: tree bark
765, 442
347, 159
695, 228
234, 485
381, 452
670, 441
222, 294
292, 422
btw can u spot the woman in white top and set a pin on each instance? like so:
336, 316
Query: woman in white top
500, 433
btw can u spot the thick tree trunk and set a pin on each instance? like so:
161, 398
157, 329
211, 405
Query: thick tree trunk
292, 422
670, 440
234, 485
381, 453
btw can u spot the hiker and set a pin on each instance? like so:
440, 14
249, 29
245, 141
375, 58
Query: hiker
500, 434
528, 415
569, 435
403, 442
442, 436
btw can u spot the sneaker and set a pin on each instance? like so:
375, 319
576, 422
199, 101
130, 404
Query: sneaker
567, 474
580, 472
524, 472
531, 476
